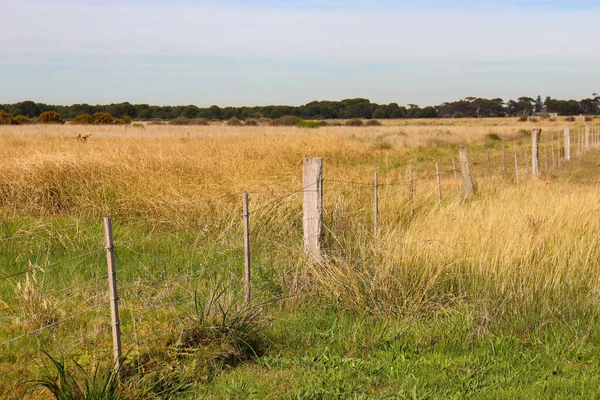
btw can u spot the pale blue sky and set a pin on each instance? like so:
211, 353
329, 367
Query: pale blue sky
292, 52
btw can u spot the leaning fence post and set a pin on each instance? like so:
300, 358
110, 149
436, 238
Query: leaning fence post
312, 205
247, 270
516, 162
466, 172
456, 177
535, 151
376, 205
567, 145
112, 288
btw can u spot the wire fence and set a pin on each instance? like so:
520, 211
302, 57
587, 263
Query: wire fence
54, 291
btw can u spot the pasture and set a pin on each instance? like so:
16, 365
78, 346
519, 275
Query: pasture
493, 296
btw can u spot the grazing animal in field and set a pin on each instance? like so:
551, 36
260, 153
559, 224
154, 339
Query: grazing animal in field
83, 136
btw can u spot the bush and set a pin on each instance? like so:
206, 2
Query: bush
335, 123
493, 136
533, 120
83, 119
180, 121
125, 120
265, 120
570, 119
21, 120
588, 118
308, 124
50, 117
524, 132
552, 119
287, 120
138, 125
545, 116
198, 121
5, 118
354, 122
372, 122
523, 118
251, 122
101, 118
323, 123
233, 121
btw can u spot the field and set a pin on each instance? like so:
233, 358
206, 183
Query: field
494, 296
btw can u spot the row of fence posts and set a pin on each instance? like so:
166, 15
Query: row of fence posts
313, 218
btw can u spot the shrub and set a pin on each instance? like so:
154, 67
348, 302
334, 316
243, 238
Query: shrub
545, 116
570, 119
101, 118
533, 120
588, 118
287, 120
372, 122
180, 121
493, 136
552, 119
125, 120
198, 121
308, 124
524, 132
233, 121
83, 119
335, 123
265, 120
50, 117
251, 122
323, 123
138, 125
523, 118
354, 122
5, 118
21, 120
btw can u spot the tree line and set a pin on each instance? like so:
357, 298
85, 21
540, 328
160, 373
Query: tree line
470, 107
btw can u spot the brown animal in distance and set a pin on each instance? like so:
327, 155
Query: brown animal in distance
83, 136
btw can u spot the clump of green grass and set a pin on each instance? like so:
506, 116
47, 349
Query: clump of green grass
493, 136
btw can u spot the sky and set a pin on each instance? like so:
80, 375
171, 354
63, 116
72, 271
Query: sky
259, 52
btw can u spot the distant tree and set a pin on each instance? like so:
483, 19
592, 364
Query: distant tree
539, 104
50, 117
190, 111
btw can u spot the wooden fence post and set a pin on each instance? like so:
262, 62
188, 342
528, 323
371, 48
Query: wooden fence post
456, 177
516, 163
411, 193
439, 185
567, 145
466, 172
587, 137
546, 156
376, 206
112, 289
312, 183
535, 151
247, 270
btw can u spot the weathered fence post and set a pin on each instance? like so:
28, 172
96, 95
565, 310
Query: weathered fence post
535, 151
411, 193
466, 172
247, 270
567, 145
439, 185
376, 205
516, 162
112, 289
456, 177
312, 184
587, 137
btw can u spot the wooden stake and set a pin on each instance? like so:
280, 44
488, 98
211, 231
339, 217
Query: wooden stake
466, 172
247, 270
112, 291
535, 152
312, 183
587, 137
